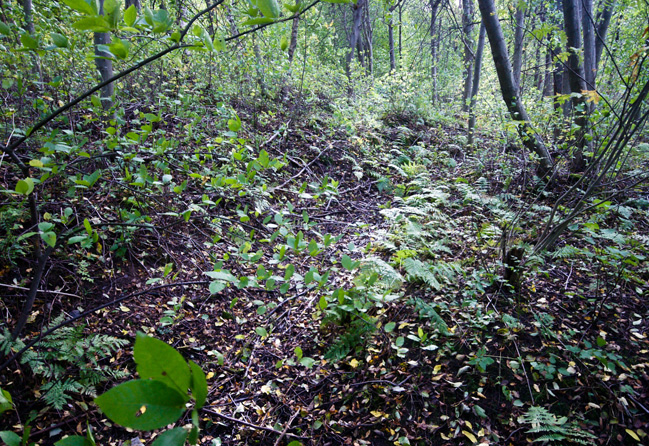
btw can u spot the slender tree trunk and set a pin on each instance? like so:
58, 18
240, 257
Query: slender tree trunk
476, 81
369, 41
508, 86
104, 64
467, 37
576, 79
588, 29
517, 62
294, 34
393, 61
603, 21
29, 27
434, 5
136, 3
400, 30
356, 26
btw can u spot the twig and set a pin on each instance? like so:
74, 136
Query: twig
286, 428
254, 426
301, 171
61, 293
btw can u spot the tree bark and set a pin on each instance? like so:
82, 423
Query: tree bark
434, 5
356, 26
104, 64
294, 33
467, 37
517, 62
588, 30
508, 87
135, 3
603, 21
393, 61
576, 80
476, 81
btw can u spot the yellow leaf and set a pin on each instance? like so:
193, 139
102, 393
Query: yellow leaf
633, 434
354, 363
209, 375
376, 413
437, 368
470, 436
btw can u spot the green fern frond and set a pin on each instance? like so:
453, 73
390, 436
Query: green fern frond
554, 429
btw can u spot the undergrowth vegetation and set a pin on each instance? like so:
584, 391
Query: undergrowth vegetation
321, 246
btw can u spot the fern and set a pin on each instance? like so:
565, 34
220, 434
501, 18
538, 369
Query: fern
68, 351
353, 339
434, 275
429, 311
389, 278
554, 429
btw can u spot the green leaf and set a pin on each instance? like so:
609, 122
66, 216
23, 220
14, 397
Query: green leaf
111, 5
6, 403
172, 437
142, 404
270, 8
290, 270
217, 286
60, 40
120, 48
234, 124
86, 224
258, 21
221, 275
283, 43
82, 6
130, 15
73, 440
158, 360
347, 263
95, 24
193, 435
49, 238
10, 438
25, 187
4, 29
323, 304
198, 384
389, 327
29, 41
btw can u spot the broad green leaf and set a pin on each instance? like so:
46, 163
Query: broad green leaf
217, 286
283, 43
82, 6
4, 29
29, 41
158, 360
198, 384
270, 8
258, 21
95, 24
221, 275
86, 225
25, 187
142, 404
290, 270
49, 238
193, 435
74, 440
120, 48
234, 124
111, 5
389, 327
130, 15
347, 262
10, 438
172, 437
337, 1
6, 402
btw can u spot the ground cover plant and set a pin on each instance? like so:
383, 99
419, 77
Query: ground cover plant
318, 223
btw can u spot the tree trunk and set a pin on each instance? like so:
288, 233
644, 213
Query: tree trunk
369, 42
476, 81
104, 64
135, 3
393, 61
603, 21
434, 5
508, 87
517, 62
29, 27
467, 37
576, 77
294, 33
588, 29
356, 27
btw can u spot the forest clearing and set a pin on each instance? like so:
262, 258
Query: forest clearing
381, 222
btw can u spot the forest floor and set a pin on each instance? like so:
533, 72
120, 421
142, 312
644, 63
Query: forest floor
425, 345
